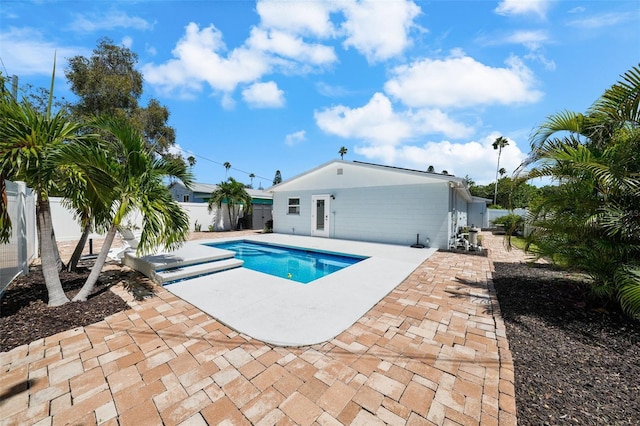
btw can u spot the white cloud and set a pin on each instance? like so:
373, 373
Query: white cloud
378, 124
605, 20
534, 41
460, 81
331, 91
523, 7
298, 17
289, 46
377, 29
127, 42
477, 159
31, 54
293, 139
280, 43
197, 60
264, 95
108, 21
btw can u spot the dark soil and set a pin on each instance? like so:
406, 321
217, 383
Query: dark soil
575, 362
25, 316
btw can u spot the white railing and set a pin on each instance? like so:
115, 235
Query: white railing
16, 255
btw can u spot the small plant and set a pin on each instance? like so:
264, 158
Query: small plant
211, 228
268, 227
197, 226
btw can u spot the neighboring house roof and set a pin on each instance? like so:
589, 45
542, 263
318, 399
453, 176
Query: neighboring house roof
459, 183
207, 188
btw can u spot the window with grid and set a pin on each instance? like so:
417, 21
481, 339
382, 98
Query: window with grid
294, 206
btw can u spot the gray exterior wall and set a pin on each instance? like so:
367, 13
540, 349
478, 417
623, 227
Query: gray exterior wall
477, 215
386, 214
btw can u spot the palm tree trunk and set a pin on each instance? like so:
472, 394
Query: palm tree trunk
47, 254
495, 190
56, 252
77, 252
231, 217
88, 286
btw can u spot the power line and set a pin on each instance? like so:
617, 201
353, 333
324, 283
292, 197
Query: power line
220, 164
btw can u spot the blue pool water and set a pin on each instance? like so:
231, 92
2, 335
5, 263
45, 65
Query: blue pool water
296, 264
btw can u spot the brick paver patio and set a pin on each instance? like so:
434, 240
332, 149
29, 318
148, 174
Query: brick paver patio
433, 351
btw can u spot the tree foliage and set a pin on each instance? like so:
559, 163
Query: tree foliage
233, 194
511, 193
107, 83
124, 175
591, 221
28, 138
343, 151
277, 178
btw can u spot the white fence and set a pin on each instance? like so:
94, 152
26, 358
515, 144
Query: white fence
16, 255
493, 214
67, 228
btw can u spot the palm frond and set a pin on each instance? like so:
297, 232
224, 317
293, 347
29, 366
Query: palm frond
628, 284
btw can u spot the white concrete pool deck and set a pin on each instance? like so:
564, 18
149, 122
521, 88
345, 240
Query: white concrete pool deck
287, 313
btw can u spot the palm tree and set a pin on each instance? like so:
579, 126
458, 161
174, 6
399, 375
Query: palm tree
502, 171
124, 175
233, 194
343, 151
27, 140
227, 166
498, 144
591, 221
431, 169
251, 176
191, 160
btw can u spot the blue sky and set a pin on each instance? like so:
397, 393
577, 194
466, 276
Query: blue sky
282, 85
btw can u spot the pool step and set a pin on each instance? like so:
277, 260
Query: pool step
191, 260
167, 275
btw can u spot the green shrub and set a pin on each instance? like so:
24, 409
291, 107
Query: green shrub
513, 224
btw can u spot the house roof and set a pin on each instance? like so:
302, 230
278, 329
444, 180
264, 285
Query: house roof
456, 182
208, 188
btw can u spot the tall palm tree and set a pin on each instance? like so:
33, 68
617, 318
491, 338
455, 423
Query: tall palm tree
343, 151
125, 175
191, 160
233, 194
227, 166
498, 144
251, 176
591, 221
27, 139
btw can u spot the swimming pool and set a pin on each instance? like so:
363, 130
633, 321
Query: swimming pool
297, 264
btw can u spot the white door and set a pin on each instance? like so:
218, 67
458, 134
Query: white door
320, 215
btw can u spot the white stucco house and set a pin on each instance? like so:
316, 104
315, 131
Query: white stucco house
377, 203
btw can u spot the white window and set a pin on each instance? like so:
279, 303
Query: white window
294, 206
185, 198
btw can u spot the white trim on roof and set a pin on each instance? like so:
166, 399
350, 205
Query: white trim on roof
455, 182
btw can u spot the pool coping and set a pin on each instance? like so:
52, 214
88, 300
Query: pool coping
287, 313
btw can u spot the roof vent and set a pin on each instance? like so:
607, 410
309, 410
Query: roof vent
340, 171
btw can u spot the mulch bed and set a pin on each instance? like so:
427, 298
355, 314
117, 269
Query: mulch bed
575, 362
25, 316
